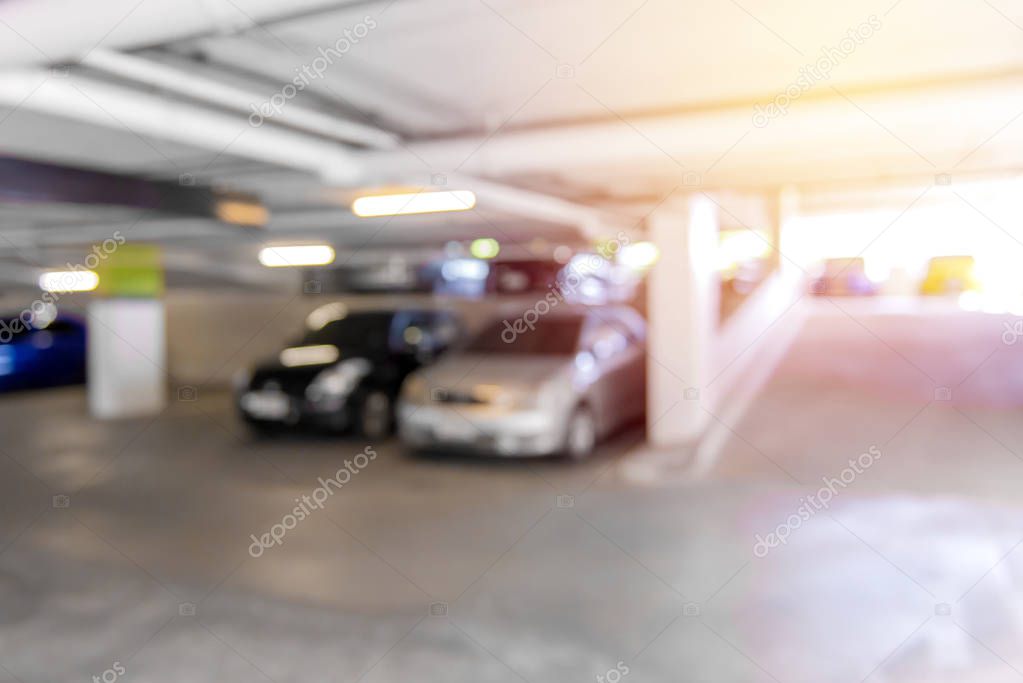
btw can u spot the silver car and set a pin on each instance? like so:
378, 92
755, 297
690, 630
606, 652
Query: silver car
531, 386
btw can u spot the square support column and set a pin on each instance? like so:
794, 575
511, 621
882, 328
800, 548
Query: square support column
127, 356
684, 294
127, 344
783, 206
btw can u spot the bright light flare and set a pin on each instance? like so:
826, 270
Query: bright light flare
413, 202
319, 354
69, 281
877, 271
464, 269
639, 256
741, 246
485, 248
970, 301
296, 255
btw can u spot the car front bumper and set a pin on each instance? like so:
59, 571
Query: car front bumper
480, 429
270, 408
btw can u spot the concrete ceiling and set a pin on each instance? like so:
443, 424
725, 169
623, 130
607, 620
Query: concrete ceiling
604, 104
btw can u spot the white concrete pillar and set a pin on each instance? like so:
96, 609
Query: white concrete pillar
684, 293
785, 207
126, 358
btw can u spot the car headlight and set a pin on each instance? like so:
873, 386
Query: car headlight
339, 380
415, 390
505, 396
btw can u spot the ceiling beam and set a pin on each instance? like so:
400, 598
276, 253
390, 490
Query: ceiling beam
912, 131
25, 181
29, 28
146, 115
257, 107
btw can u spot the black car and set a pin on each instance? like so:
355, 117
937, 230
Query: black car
347, 370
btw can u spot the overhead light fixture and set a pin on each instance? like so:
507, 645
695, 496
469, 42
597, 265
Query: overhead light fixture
283, 256
413, 202
69, 281
319, 354
485, 248
237, 212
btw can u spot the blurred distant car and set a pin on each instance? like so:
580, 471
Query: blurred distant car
950, 275
534, 386
46, 353
587, 278
522, 275
345, 373
843, 277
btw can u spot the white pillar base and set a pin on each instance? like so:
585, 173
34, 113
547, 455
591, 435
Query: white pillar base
127, 358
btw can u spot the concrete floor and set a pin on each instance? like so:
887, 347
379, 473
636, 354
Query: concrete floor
911, 574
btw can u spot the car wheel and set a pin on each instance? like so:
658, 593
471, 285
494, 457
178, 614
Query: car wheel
581, 436
375, 415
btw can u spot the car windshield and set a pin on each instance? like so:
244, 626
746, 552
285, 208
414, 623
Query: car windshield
548, 336
523, 276
358, 330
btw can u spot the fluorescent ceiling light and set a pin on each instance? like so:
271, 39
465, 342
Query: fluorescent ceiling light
413, 202
69, 281
296, 255
320, 354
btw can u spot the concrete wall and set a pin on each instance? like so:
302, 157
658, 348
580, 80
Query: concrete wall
212, 335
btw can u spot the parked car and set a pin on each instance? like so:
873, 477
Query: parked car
537, 385
843, 277
345, 373
522, 276
950, 275
587, 278
48, 352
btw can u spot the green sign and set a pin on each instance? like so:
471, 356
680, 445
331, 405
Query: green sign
132, 270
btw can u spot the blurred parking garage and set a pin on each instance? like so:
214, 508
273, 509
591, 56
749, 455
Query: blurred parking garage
288, 294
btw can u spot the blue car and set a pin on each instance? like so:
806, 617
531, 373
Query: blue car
48, 355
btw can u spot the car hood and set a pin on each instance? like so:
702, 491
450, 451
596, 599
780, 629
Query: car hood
467, 370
